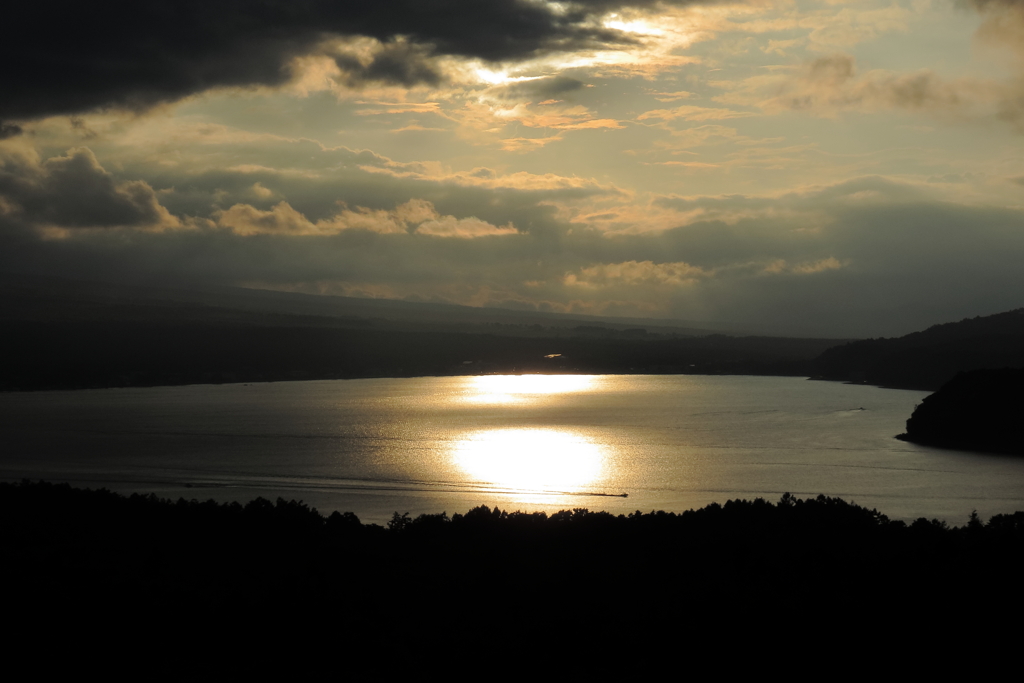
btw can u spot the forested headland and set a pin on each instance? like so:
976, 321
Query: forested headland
979, 410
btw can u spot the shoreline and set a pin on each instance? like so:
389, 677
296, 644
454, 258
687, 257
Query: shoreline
419, 376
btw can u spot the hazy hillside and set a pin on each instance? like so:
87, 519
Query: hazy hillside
26, 297
61, 334
929, 359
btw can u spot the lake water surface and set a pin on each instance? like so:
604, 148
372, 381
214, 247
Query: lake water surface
527, 442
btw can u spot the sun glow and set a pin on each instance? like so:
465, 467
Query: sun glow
530, 460
492, 77
637, 26
522, 388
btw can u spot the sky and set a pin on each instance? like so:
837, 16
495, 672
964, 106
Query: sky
806, 167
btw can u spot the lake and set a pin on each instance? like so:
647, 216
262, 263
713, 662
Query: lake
520, 442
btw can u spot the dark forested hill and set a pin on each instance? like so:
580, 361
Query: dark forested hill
928, 359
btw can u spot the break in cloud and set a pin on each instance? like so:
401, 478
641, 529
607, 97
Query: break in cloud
73, 57
798, 167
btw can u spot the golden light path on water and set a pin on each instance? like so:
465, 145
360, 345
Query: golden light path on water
537, 461
523, 388
532, 463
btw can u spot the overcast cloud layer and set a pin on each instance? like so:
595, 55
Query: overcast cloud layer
803, 167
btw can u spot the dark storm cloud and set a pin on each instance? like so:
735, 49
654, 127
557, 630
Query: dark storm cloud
398, 63
65, 57
74, 191
542, 87
8, 130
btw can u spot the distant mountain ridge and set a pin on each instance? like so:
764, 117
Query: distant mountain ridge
928, 359
51, 299
61, 334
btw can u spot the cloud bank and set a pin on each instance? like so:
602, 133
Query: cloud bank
796, 167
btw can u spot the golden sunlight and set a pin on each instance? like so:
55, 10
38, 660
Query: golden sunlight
492, 77
535, 460
636, 26
521, 388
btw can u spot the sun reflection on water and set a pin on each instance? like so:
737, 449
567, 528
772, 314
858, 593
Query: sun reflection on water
523, 388
530, 460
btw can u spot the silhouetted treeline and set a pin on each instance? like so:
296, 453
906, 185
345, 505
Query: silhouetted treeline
981, 410
927, 360
84, 552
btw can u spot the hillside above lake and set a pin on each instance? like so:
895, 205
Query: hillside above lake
66, 335
928, 359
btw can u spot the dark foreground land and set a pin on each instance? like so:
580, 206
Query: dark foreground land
489, 578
